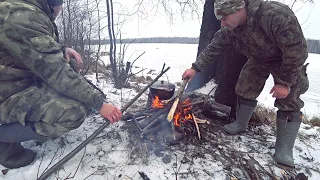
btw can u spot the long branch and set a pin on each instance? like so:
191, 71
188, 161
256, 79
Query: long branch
58, 165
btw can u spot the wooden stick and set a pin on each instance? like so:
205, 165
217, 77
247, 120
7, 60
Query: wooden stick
195, 121
175, 103
156, 118
191, 104
202, 121
153, 122
135, 122
58, 165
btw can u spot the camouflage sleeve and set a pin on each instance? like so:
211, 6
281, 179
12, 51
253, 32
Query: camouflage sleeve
221, 42
287, 33
26, 35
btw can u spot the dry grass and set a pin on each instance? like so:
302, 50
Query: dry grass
314, 121
264, 115
268, 116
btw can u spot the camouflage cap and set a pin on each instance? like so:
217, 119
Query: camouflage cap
223, 8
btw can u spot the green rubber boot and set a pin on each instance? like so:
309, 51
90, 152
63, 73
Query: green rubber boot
14, 155
245, 110
288, 124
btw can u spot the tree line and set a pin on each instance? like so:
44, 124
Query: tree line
313, 44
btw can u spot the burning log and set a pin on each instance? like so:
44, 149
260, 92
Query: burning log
175, 103
209, 104
193, 103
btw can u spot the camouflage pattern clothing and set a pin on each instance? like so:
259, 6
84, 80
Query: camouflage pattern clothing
273, 41
38, 86
223, 8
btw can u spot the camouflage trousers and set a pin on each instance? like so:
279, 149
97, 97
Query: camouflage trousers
254, 75
49, 112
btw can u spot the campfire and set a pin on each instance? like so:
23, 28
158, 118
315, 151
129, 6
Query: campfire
156, 118
181, 114
198, 131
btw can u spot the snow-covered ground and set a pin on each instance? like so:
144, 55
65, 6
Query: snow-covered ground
110, 157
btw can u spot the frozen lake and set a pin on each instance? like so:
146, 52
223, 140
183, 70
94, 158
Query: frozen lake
180, 57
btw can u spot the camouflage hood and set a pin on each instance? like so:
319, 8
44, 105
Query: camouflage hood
41, 4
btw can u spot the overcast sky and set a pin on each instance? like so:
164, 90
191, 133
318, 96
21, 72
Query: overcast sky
161, 25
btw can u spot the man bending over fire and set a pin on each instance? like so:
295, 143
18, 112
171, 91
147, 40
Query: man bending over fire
269, 34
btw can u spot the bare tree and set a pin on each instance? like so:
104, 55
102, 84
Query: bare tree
99, 39
79, 24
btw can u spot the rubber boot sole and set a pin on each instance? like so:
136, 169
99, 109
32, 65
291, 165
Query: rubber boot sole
283, 166
230, 134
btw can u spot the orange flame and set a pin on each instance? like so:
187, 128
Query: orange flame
156, 103
182, 114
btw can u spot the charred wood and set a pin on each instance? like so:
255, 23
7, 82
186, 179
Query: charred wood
160, 124
135, 122
157, 117
217, 108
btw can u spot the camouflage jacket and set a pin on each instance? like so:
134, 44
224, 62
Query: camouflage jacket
30, 52
271, 35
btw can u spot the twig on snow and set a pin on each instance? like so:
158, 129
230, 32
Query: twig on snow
175, 168
84, 152
42, 155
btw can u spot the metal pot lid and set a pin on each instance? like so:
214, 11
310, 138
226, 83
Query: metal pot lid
163, 85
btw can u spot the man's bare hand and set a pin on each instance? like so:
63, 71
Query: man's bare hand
110, 112
71, 53
280, 91
189, 73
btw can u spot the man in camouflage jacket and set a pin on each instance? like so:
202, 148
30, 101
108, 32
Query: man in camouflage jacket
40, 94
269, 34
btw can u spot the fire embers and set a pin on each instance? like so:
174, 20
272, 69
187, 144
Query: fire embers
183, 113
